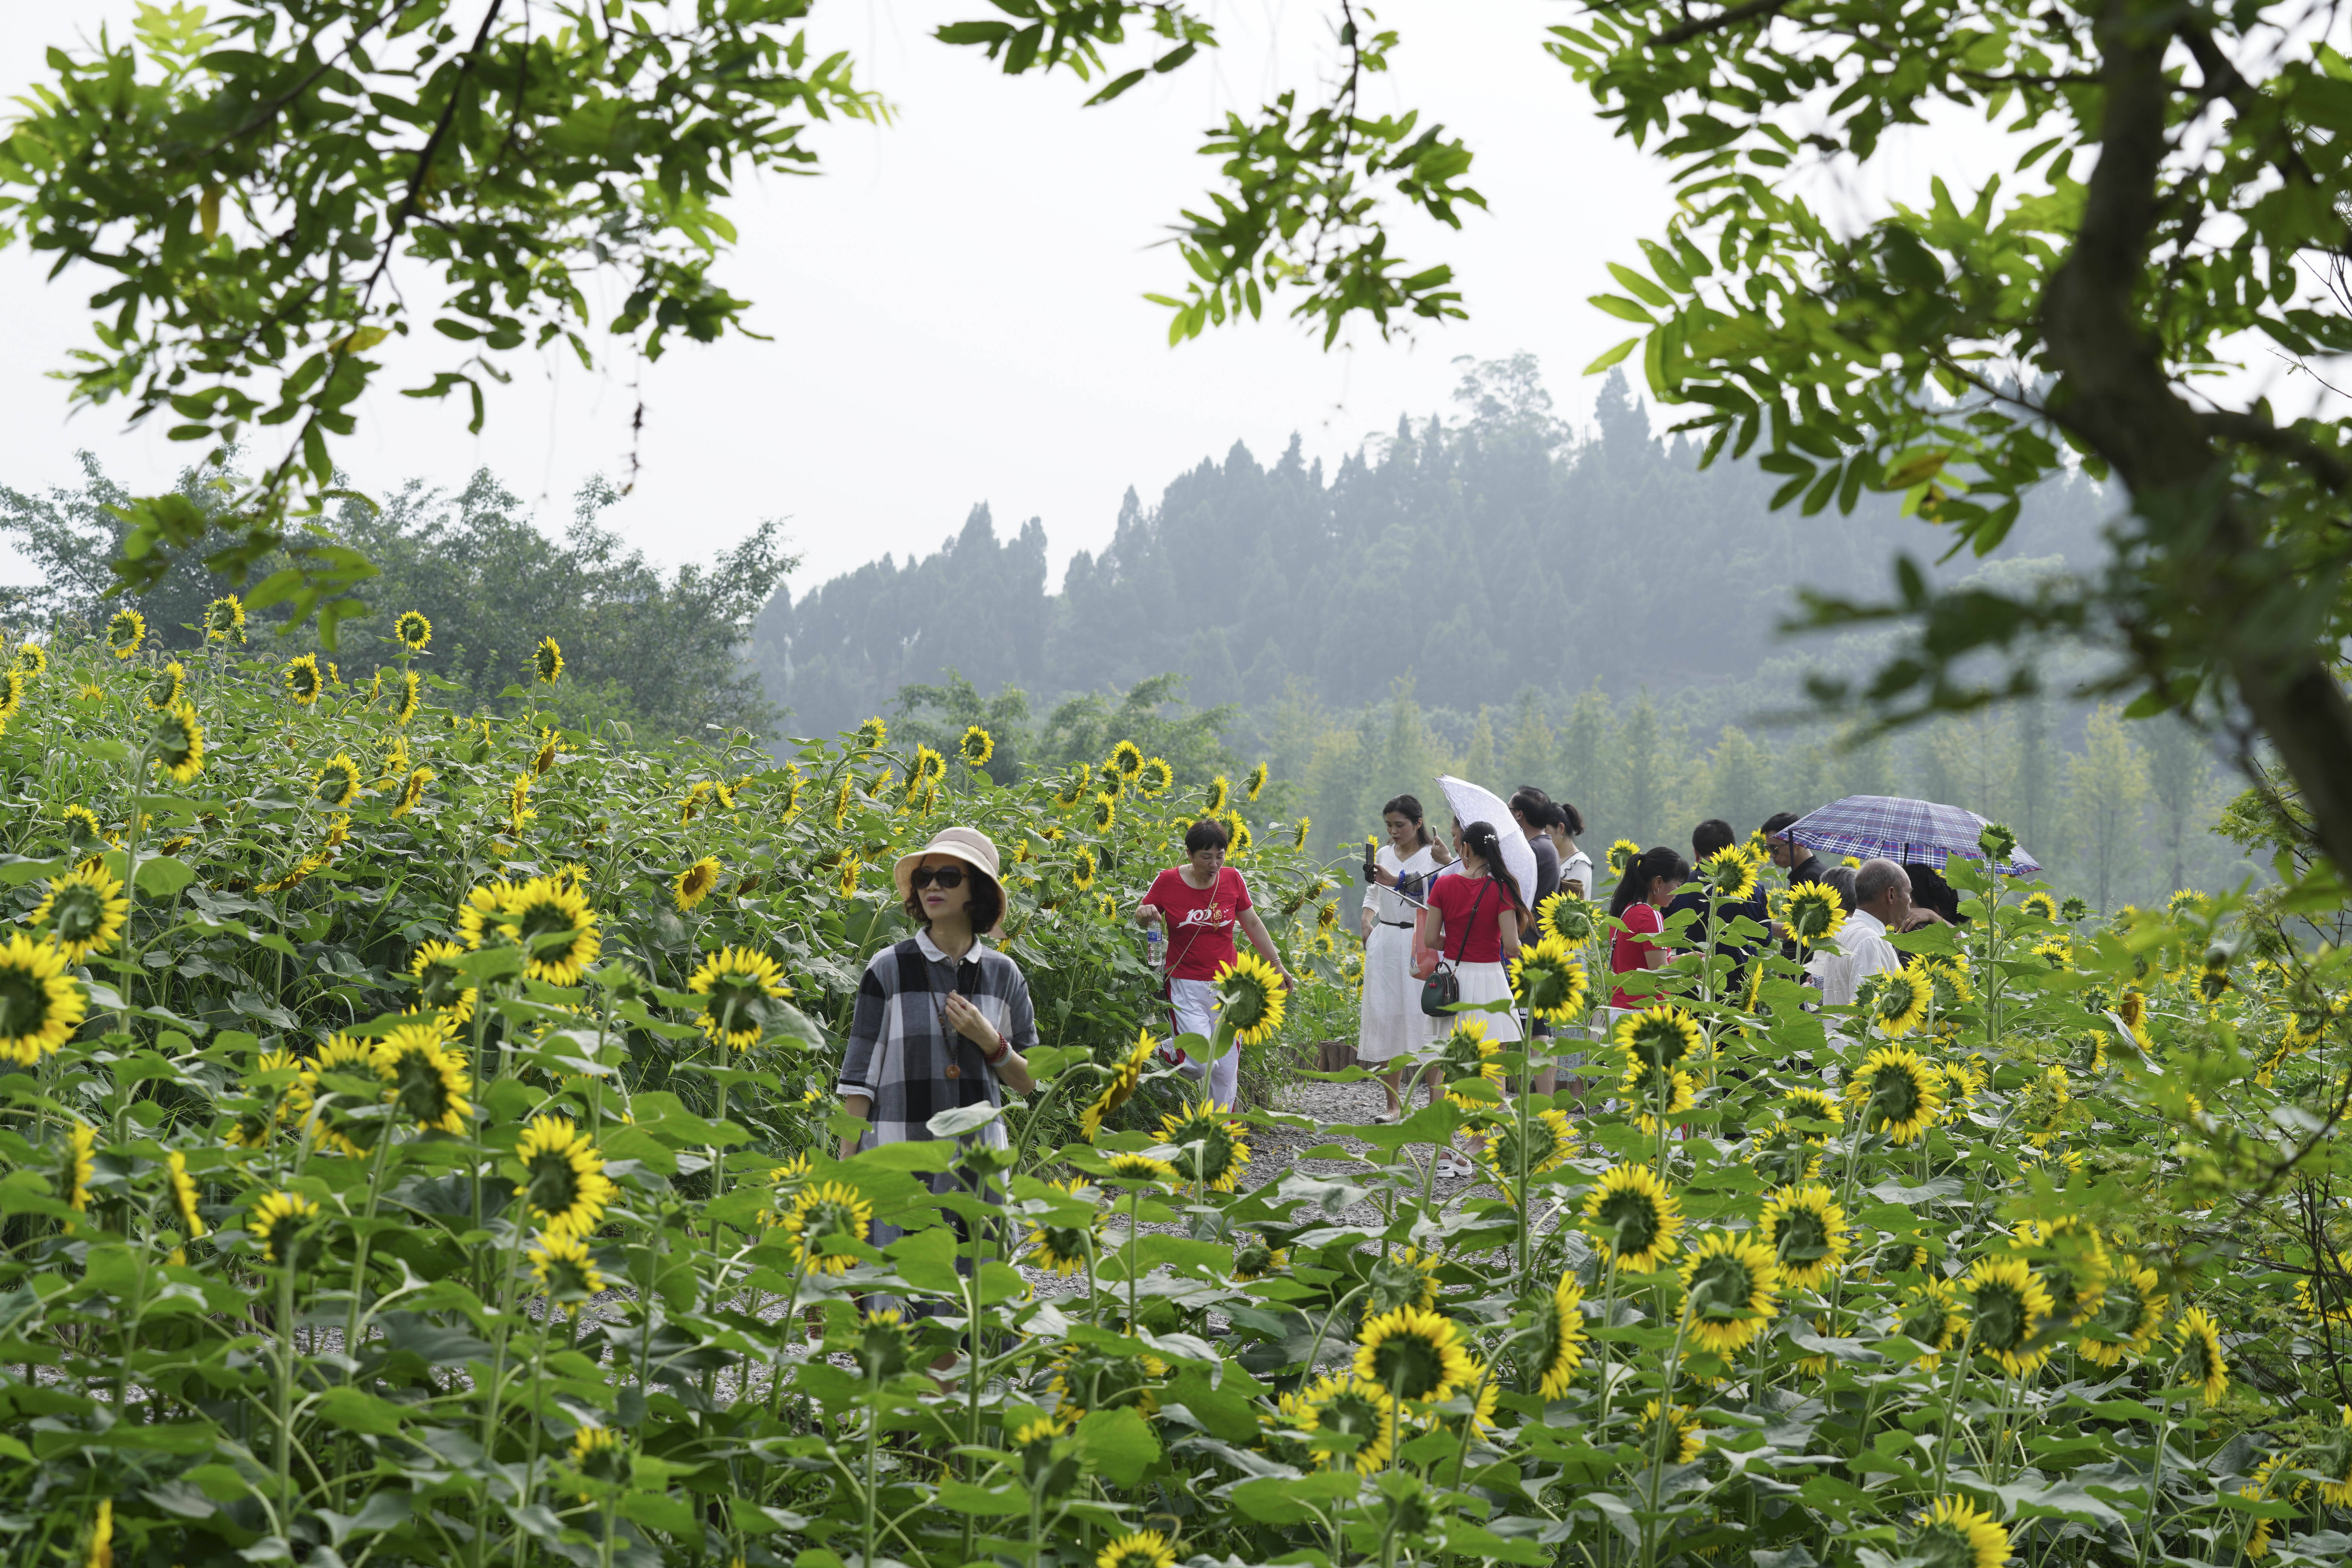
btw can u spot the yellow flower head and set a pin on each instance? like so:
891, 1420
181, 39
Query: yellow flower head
1547, 1142
412, 630
1812, 912
411, 697
563, 1183
1220, 793
1341, 1405
1898, 1002
411, 793
177, 743
424, 1080
1731, 1287
1156, 778
547, 662
1807, 1233
1549, 981
1730, 874
823, 1213
550, 919
1119, 1085
1929, 1316
165, 689
274, 1223
335, 785
870, 736
440, 987
1570, 920
732, 982
40, 1006
2040, 907
303, 681
1062, 1249
2203, 1362
559, 1261
1633, 1219
183, 1194
976, 747
224, 619
1559, 1339
125, 632
1414, 1355
1255, 783
1250, 992
1896, 1092
1144, 1548
694, 884
1683, 1437
2012, 1309
1660, 1036
1621, 855
1210, 1148
84, 912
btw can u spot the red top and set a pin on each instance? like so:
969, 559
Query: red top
1455, 898
1200, 921
1628, 953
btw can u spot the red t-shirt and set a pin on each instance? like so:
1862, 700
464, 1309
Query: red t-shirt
1457, 898
1628, 952
1200, 921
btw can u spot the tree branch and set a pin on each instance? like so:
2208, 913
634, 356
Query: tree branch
1699, 27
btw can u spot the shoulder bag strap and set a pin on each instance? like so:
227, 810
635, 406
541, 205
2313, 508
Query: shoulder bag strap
1470, 924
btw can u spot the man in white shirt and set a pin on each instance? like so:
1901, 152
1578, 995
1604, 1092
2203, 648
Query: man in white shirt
1882, 892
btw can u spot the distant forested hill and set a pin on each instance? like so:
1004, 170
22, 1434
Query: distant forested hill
1481, 555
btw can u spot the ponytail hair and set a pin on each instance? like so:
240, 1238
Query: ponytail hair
1408, 807
1634, 887
1481, 839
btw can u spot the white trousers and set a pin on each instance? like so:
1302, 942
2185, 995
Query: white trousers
1193, 1010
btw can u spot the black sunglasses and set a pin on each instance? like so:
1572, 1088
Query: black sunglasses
948, 876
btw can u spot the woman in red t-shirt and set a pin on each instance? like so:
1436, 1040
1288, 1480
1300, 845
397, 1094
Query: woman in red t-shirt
1472, 922
1199, 904
1647, 887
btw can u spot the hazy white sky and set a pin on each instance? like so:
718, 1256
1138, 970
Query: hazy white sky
955, 304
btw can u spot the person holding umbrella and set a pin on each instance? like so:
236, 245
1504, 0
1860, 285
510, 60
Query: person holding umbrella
1473, 922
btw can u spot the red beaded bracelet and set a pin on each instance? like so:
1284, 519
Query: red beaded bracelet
1003, 1050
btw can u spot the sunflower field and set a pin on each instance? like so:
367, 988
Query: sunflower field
419, 1151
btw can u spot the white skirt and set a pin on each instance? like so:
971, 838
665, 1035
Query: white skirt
1392, 1023
1486, 983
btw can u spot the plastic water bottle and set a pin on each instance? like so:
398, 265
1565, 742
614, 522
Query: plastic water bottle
1151, 940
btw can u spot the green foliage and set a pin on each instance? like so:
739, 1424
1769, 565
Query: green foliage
300, 1257
1952, 350
249, 178
644, 651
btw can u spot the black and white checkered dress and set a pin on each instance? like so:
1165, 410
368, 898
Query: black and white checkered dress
900, 1048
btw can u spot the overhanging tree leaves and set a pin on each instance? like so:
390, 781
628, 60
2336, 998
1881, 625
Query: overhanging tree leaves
2178, 212
277, 187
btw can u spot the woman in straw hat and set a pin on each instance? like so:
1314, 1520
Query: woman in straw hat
941, 1021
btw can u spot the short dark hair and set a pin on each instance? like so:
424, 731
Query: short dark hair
987, 901
1529, 801
1779, 822
1708, 836
1206, 834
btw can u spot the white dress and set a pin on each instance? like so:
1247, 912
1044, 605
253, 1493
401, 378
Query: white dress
1392, 1021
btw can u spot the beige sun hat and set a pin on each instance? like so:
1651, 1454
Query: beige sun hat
969, 844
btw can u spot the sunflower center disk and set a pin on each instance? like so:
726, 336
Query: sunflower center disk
23, 1004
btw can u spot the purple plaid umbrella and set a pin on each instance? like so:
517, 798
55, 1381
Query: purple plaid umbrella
1908, 832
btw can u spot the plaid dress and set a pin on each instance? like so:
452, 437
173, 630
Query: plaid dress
900, 1048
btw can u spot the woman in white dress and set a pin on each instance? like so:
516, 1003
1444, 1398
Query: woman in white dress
1392, 1023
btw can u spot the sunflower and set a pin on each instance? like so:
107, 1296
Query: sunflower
1557, 1340
1142, 1168
412, 697
224, 619
1898, 1002
1567, 918
85, 911
125, 632
1249, 998
791, 806
40, 1008
1548, 980
1242, 836
2257, 1529
1119, 1084
1155, 778
1466, 1053
2057, 952
1063, 1250
423, 1079
1956, 1534
870, 736
825, 1212
2044, 1110
411, 793
1633, 1219
842, 799
1413, 1353
1660, 1036
12, 693
928, 766
1729, 874
1547, 1142
1950, 979
976, 747
1103, 814
1255, 783
482, 909
560, 1262
731, 983
1343, 1404
1731, 1287
1143, 1549
275, 1223
563, 1183
1895, 1092
2202, 1359
693, 885
395, 761
1812, 912
78, 1166
850, 868
1807, 1233
2335, 1458
1210, 1147
1219, 792
303, 681
183, 1194
547, 661
412, 631
2039, 907
330, 1122
2010, 1309
1681, 1424
337, 782
1075, 787
1929, 1316
2071, 1262
165, 689
2327, 1301
440, 986
82, 830
1256, 1258
1082, 869
550, 919
1658, 1093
